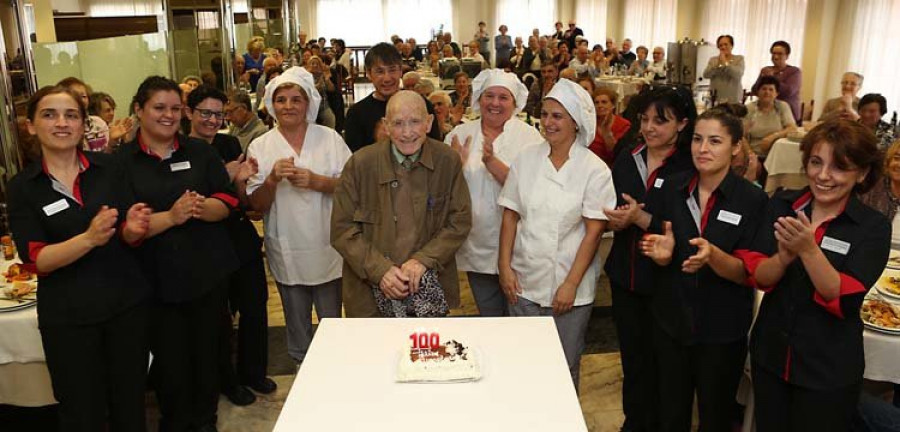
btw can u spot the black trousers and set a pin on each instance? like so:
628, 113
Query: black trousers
712, 371
99, 372
185, 345
634, 329
247, 295
781, 406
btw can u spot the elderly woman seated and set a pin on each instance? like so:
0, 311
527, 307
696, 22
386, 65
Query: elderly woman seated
445, 117
768, 119
872, 107
885, 195
846, 105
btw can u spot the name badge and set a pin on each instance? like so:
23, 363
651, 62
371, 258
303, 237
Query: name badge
835, 245
52, 209
729, 217
180, 166
658, 183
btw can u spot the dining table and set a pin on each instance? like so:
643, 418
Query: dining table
784, 163
24, 378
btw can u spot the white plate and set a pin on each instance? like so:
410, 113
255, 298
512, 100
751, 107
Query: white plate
9, 305
875, 327
894, 260
884, 281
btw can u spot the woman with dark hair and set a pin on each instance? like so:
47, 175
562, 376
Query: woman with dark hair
725, 72
96, 136
104, 106
816, 255
702, 308
768, 118
789, 77
872, 107
75, 221
188, 263
666, 126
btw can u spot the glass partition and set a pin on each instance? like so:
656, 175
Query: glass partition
113, 65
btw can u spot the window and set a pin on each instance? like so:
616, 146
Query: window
870, 50
522, 16
769, 20
367, 22
650, 22
591, 17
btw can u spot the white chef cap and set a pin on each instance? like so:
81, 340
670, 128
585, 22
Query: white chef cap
301, 77
497, 77
578, 102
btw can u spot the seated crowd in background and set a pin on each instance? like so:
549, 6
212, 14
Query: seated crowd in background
292, 149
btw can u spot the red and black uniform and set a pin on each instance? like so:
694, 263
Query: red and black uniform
631, 285
702, 319
806, 352
247, 292
188, 266
93, 312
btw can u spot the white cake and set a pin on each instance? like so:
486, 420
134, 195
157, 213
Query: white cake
449, 362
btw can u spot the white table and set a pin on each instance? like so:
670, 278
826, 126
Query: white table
347, 383
24, 379
784, 164
623, 86
882, 354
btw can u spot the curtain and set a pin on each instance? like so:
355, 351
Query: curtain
366, 22
418, 19
650, 22
870, 50
521, 16
591, 17
110, 8
754, 26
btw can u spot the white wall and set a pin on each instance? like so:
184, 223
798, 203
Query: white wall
69, 5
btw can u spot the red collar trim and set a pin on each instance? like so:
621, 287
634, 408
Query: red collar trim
638, 149
83, 163
802, 202
147, 150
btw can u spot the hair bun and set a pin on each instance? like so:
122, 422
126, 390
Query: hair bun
735, 109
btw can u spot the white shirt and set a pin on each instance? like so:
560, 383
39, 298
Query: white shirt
581, 68
895, 231
551, 205
298, 224
479, 252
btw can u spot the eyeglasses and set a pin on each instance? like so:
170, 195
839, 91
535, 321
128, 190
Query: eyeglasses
206, 114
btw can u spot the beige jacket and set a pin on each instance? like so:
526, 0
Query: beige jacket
363, 228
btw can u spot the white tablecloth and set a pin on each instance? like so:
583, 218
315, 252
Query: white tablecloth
785, 166
784, 158
347, 383
623, 86
882, 356
20, 340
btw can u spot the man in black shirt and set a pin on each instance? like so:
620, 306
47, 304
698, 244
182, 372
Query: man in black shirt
384, 69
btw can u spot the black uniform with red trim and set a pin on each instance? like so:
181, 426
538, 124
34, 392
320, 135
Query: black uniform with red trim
703, 307
93, 312
107, 279
630, 276
702, 319
625, 265
186, 261
798, 336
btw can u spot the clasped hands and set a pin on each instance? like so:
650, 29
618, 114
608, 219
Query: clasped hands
399, 283
284, 169
190, 205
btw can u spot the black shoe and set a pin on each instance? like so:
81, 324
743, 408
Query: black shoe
240, 396
263, 386
207, 428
